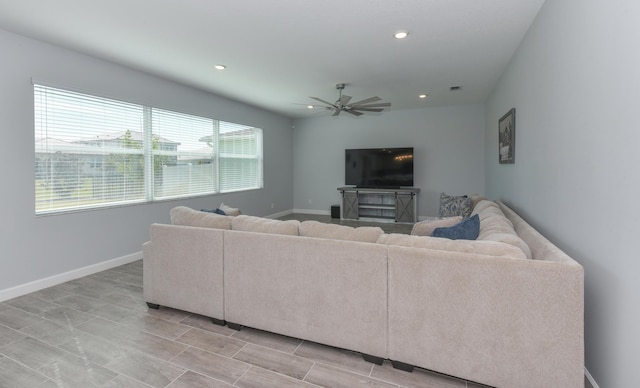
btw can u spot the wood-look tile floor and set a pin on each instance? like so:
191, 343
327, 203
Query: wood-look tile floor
97, 331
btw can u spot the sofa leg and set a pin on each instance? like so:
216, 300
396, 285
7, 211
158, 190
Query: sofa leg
373, 359
402, 366
153, 306
234, 326
219, 322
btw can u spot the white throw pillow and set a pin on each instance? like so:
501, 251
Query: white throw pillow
230, 211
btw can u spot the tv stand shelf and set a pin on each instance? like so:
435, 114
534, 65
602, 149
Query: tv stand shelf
399, 205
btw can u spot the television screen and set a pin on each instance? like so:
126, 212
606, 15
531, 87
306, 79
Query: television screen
379, 167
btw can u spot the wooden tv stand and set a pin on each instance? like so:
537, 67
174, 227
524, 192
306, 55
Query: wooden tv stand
399, 205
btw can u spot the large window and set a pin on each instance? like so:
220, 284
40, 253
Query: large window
94, 152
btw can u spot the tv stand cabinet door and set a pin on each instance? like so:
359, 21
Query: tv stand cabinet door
405, 207
350, 205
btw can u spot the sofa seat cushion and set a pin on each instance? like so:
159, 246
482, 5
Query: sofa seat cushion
246, 223
185, 216
487, 248
340, 232
426, 227
495, 226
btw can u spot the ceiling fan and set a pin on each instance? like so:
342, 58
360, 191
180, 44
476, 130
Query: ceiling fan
355, 108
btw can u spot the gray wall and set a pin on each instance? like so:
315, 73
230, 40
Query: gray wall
34, 248
575, 84
448, 151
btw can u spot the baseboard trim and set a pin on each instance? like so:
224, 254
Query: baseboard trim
54, 280
590, 379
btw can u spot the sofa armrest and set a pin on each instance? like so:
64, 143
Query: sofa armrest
183, 269
497, 321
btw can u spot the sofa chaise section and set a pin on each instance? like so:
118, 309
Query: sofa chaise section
321, 290
183, 269
501, 321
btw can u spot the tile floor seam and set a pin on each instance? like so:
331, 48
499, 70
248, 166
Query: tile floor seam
186, 327
144, 355
239, 350
177, 378
24, 365
298, 347
66, 354
309, 371
243, 373
184, 350
272, 349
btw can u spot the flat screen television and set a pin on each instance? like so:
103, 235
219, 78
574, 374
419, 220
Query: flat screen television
379, 167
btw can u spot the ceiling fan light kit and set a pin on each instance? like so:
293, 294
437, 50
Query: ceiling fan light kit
355, 108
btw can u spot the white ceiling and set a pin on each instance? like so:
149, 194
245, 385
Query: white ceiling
280, 52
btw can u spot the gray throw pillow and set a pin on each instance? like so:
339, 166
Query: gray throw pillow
451, 206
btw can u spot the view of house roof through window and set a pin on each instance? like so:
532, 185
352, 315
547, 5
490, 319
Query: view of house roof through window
94, 152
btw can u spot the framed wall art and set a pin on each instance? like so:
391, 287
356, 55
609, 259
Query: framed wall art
507, 137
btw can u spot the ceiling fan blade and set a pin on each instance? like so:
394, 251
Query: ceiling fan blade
372, 105
366, 100
367, 109
344, 100
336, 112
323, 101
353, 112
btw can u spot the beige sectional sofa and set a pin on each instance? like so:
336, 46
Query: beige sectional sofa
505, 310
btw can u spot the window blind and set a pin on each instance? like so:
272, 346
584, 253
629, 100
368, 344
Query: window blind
93, 152
240, 157
184, 154
88, 150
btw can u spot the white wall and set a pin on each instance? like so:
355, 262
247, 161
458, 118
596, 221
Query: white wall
575, 84
448, 152
34, 248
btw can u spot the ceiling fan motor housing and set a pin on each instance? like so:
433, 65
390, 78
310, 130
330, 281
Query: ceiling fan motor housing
356, 108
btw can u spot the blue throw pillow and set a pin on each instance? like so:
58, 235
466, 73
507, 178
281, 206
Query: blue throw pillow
467, 229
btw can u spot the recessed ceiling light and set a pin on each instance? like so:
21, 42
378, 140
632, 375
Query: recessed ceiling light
401, 34
220, 67
423, 96
310, 106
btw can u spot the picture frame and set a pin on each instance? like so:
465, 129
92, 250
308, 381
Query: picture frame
507, 137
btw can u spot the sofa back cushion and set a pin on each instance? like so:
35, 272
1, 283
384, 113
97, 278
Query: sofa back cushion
185, 216
246, 223
489, 248
340, 232
495, 226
